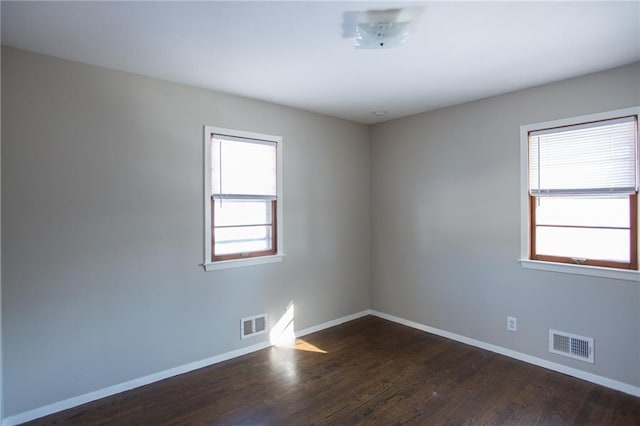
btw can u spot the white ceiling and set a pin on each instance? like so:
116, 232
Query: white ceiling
294, 53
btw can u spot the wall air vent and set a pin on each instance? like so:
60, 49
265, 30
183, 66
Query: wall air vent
571, 345
252, 326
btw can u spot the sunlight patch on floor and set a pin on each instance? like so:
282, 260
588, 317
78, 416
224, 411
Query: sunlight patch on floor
303, 345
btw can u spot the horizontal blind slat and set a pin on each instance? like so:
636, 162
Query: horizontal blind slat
243, 197
558, 130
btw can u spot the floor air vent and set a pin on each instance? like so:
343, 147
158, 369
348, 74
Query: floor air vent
252, 326
571, 345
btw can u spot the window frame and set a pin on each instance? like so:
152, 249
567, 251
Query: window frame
566, 265
253, 258
633, 240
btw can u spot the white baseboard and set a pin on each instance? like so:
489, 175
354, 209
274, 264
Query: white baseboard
593, 378
135, 383
332, 323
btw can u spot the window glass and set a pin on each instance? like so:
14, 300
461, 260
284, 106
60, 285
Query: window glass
242, 240
242, 212
576, 211
583, 243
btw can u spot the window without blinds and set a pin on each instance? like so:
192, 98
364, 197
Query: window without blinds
243, 197
583, 184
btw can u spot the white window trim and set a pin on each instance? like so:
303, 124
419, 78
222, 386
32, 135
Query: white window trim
594, 271
238, 263
525, 262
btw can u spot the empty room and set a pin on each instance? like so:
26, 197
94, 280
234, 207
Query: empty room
291, 213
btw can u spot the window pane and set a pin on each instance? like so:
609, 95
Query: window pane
242, 240
610, 212
235, 213
600, 244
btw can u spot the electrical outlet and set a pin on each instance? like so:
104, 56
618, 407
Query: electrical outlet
512, 323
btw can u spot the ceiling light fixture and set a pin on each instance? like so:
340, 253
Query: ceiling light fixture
380, 29
381, 35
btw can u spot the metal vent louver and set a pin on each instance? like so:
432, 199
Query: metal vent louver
260, 324
252, 326
247, 327
571, 345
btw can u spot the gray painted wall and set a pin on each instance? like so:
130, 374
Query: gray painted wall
1, 387
446, 228
103, 227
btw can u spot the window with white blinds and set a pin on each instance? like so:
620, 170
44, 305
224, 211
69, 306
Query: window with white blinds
244, 195
589, 158
241, 205
583, 193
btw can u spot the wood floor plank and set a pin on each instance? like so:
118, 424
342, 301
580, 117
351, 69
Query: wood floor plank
368, 371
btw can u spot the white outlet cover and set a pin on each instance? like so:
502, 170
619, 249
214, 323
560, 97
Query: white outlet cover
512, 324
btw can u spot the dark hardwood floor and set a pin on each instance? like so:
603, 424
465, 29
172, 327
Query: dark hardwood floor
367, 371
